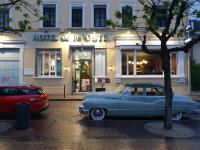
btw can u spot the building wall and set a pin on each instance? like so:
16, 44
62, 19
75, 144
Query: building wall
115, 40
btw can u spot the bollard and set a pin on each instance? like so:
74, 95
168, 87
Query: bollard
22, 115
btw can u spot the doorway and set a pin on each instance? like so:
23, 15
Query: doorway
82, 69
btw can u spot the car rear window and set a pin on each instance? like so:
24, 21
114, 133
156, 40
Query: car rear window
8, 91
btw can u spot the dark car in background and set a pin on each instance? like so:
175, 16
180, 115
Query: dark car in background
10, 96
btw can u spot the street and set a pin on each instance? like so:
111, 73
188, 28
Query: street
61, 127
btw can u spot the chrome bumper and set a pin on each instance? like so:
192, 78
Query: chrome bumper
196, 111
82, 110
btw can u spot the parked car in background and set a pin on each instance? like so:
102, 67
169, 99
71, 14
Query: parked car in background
29, 94
139, 100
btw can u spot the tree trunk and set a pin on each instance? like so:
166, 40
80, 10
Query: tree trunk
168, 88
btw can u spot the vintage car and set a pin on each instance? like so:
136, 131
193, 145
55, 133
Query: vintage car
138, 100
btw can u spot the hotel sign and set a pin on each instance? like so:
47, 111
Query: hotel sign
94, 37
45, 37
70, 37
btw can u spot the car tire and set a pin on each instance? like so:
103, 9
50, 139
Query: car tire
97, 114
177, 116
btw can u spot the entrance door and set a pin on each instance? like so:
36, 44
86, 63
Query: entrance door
82, 69
83, 77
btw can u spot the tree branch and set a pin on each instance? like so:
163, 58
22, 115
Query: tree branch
170, 16
178, 19
146, 50
187, 46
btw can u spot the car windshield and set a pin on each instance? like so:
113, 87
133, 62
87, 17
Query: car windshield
120, 89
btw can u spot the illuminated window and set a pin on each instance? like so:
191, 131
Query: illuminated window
144, 64
48, 63
148, 64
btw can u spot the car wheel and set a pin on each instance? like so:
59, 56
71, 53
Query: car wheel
97, 114
177, 116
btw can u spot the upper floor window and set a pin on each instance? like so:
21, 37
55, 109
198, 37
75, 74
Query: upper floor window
77, 16
161, 16
48, 63
127, 12
49, 11
100, 15
4, 16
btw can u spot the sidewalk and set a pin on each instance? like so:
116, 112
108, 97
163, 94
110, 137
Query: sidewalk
79, 97
59, 97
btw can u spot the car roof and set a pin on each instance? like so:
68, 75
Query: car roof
146, 85
20, 86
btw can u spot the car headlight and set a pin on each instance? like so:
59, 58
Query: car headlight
82, 105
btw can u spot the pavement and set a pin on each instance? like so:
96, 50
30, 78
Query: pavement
61, 127
69, 97
79, 97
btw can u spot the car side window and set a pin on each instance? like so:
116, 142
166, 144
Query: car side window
24, 92
154, 91
1, 92
137, 91
9, 91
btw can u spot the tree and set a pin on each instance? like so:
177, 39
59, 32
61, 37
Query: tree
26, 9
175, 13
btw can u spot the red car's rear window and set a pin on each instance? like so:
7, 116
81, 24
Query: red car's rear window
12, 91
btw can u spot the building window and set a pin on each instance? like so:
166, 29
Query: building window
49, 11
127, 12
173, 64
48, 63
127, 63
77, 16
148, 64
4, 16
161, 17
100, 15
140, 63
100, 63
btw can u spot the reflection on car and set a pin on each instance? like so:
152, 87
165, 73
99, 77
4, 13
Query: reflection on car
139, 100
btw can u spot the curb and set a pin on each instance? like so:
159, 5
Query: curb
70, 100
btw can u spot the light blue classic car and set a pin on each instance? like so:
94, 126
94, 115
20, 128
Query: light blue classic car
145, 100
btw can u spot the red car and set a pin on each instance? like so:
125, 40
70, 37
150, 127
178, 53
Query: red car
12, 95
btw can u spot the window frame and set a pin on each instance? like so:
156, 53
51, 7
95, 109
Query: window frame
100, 51
131, 4
9, 14
92, 13
48, 51
134, 51
56, 15
71, 5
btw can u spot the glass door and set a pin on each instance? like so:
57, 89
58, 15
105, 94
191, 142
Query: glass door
82, 69
82, 79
